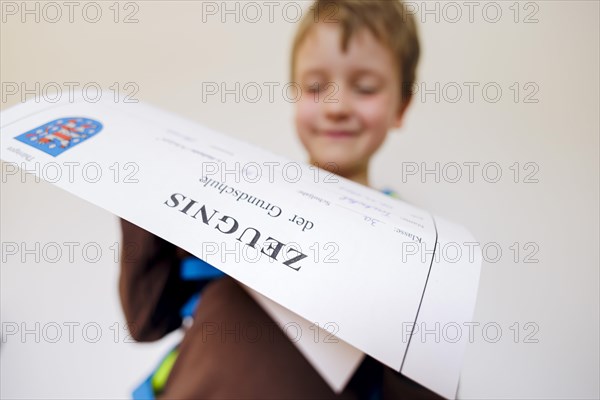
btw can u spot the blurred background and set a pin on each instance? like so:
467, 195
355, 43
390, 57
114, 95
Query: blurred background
502, 136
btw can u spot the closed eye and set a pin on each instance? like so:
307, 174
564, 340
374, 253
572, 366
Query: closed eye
313, 87
367, 89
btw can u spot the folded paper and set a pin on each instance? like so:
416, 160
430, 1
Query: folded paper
359, 266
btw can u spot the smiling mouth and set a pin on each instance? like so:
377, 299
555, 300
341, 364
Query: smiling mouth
338, 134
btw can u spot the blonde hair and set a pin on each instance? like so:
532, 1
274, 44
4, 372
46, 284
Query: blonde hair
387, 20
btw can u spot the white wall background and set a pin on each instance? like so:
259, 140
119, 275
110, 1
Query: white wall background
170, 52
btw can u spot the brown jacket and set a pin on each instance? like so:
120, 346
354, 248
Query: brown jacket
233, 349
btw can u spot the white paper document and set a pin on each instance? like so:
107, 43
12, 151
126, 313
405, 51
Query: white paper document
345, 262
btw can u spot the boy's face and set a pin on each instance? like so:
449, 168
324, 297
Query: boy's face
349, 100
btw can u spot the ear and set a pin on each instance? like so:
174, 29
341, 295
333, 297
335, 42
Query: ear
401, 111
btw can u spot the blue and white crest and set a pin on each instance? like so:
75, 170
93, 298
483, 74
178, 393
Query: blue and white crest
61, 134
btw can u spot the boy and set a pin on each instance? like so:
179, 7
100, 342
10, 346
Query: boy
355, 62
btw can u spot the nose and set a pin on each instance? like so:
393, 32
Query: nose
336, 102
